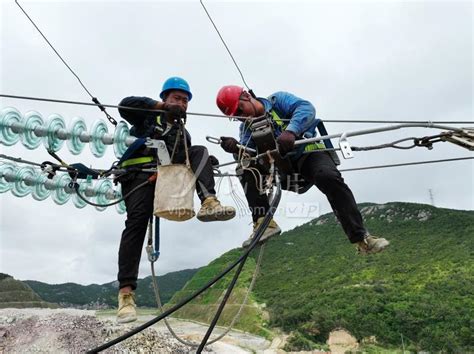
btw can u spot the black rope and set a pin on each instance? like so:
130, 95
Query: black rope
94, 99
259, 233
20, 160
75, 185
265, 223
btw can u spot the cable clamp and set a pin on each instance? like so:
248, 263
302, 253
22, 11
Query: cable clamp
161, 149
345, 147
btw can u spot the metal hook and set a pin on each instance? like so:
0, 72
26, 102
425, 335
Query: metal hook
213, 140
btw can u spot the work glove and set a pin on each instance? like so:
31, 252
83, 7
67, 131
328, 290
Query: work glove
286, 142
214, 160
229, 145
174, 112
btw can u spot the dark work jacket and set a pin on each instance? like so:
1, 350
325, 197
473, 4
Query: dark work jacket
150, 125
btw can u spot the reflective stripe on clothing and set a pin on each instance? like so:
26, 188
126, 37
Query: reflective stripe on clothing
283, 126
136, 161
314, 146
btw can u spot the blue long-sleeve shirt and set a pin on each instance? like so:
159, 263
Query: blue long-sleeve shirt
292, 113
298, 115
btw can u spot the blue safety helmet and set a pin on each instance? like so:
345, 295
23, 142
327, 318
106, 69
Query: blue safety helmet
175, 83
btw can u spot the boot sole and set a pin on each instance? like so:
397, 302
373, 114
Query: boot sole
215, 217
262, 240
375, 249
127, 319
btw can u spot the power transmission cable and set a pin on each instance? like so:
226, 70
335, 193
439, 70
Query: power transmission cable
111, 106
405, 164
224, 116
94, 99
378, 166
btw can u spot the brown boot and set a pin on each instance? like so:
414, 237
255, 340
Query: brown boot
212, 210
372, 244
272, 230
126, 310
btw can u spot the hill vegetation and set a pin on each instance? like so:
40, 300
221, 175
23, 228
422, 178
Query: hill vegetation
16, 294
312, 281
96, 296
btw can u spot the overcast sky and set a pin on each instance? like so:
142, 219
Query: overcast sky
385, 60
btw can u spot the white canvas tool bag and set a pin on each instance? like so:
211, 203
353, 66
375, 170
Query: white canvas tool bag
174, 192
174, 189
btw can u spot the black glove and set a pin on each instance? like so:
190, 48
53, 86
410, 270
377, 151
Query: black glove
214, 160
174, 112
286, 142
229, 145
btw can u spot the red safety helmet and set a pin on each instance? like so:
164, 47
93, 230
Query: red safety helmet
228, 99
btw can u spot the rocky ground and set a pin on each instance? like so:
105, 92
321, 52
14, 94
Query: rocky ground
77, 331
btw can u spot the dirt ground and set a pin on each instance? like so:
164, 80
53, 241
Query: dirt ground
76, 331
71, 330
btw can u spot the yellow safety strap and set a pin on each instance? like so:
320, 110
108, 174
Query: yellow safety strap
309, 147
278, 120
136, 161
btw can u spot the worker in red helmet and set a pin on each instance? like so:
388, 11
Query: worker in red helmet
293, 118
175, 96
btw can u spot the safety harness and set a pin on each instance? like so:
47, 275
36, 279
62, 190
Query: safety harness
263, 135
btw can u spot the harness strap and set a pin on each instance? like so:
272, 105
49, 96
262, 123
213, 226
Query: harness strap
136, 161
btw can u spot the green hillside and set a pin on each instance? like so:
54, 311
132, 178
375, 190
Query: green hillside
203, 308
312, 281
104, 296
16, 294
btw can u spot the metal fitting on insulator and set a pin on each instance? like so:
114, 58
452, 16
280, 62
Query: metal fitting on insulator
425, 142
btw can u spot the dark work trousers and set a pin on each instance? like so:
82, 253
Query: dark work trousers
320, 170
140, 208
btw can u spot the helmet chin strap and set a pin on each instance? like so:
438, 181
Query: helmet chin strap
249, 99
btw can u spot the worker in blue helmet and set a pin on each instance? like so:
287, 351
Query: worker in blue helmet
175, 83
175, 96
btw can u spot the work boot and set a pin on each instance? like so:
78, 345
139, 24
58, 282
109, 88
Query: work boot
272, 230
126, 310
212, 210
371, 244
